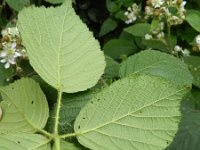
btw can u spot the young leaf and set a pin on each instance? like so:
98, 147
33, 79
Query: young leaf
61, 48
139, 112
139, 29
24, 106
24, 142
18, 5
115, 48
193, 63
108, 26
193, 18
158, 64
155, 44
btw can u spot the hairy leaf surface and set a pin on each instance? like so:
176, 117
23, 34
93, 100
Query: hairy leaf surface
67, 146
24, 142
61, 48
25, 108
139, 113
158, 64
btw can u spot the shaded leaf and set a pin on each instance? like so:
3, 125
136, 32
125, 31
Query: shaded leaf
139, 29
108, 26
70, 108
193, 63
112, 68
158, 64
56, 1
116, 48
18, 5
188, 136
193, 18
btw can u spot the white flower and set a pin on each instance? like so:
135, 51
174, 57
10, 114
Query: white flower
9, 54
132, 13
160, 35
177, 48
148, 11
148, 37
197, 39
157, 3
186, 52
13, 31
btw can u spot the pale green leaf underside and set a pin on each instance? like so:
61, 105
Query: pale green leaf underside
67, 146
61, 48
158, 64
137, 113
24, 142
25, 108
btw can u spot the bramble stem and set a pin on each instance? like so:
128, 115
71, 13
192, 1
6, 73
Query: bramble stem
57, 117
69, 135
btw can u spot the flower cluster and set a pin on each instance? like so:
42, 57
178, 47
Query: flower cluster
180, 51
132, 13
11, 47
171, 10
157, 33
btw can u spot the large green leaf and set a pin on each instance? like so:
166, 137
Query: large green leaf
24, 142
139, 112
158, 64
17, 5
61, 48
25, 108
193, 63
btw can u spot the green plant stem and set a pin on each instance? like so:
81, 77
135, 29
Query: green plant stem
57, 117
169, 37
45, 133
104, 82
69, 135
